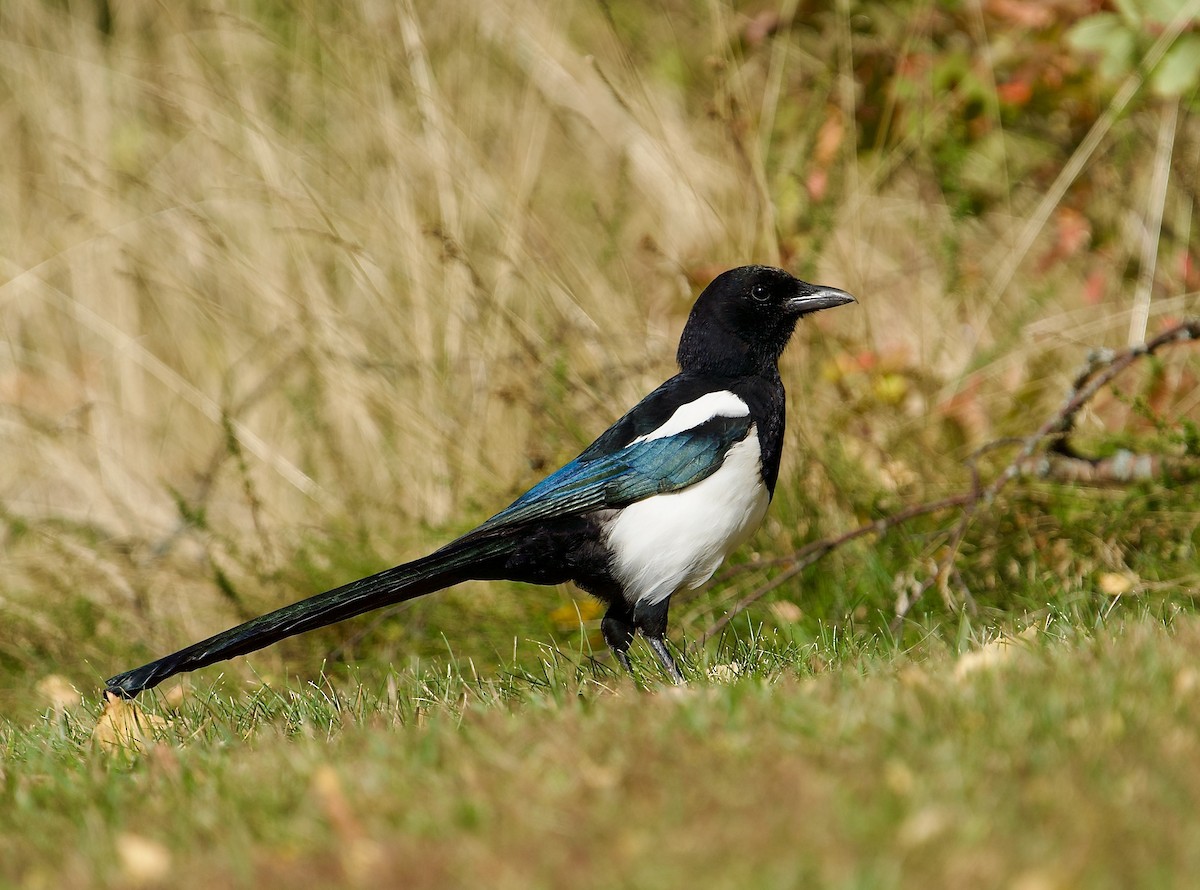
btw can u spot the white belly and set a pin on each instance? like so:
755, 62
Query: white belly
677, 540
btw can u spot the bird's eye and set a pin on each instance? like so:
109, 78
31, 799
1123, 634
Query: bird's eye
759, 292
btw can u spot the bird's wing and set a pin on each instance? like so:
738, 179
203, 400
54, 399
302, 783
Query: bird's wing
614, 477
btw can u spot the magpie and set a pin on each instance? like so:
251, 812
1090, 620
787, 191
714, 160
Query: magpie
653, 506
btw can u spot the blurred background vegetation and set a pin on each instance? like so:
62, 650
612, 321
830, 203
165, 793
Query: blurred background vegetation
291, 292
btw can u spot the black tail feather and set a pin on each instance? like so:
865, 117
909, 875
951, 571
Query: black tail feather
458, 561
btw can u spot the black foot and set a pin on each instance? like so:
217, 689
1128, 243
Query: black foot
659, 647
623, 660
618, 633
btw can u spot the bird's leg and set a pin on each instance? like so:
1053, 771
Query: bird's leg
659, 647
651, 620
618, 633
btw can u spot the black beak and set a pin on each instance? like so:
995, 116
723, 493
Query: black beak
815, 298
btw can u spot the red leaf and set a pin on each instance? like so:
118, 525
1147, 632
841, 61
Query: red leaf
1015, 92
817, 184
1094, 288
1023, 13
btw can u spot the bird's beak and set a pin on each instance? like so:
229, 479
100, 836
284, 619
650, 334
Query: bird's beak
815, 298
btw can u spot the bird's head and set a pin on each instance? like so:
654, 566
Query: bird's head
743, 320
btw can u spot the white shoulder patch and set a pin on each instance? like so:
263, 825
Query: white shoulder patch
702, 410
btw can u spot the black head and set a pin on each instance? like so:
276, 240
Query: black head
744, 319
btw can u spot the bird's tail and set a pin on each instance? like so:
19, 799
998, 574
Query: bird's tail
458, 561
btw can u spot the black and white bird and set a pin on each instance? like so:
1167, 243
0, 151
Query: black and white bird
651, 507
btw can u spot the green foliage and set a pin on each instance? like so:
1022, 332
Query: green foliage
1121, 38
1110, 36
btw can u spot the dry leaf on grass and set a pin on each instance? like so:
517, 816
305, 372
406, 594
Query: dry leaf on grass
143, 860
124, 726
1115, 583
58, 692
361, 857
993, 654
923, 826
724, 673
786, 612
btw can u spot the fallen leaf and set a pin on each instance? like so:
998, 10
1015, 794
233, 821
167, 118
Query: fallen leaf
1114, 583
786, 612
1039, 879
1186, 682
890, 389
327, 787
992, 655
760, 27
361, 857
175, 695
724, 673
1023, 13
1189, 269
914, 677
829, 139
58, 692
817, 184
867, 359
1015, 92
1074, 232
965, 409
164, 761
987, 657
143, 860
124, 726
898, 777
923, 826
1094, 287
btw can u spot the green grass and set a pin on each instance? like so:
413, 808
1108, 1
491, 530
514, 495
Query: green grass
1072, 762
